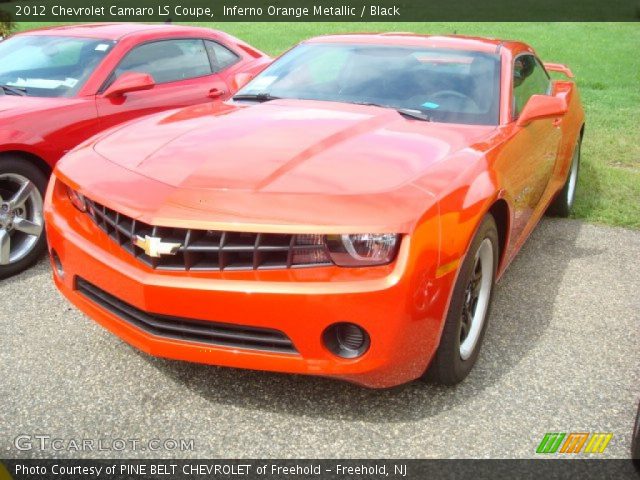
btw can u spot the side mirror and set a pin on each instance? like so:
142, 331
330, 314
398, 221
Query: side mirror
130, 82
240, 80
542, 106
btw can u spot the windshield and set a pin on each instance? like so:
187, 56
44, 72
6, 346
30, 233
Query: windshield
48, 66
452, 86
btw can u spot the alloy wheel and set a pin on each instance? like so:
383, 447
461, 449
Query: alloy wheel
573, 176
21, 217
476, 300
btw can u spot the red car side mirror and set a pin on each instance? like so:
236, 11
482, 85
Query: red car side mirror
542, 106
130, 82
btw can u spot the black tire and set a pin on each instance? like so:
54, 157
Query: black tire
20, 166
635, 442
563, 203
448, 367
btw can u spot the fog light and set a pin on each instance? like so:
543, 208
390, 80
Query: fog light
57, 264
346, 340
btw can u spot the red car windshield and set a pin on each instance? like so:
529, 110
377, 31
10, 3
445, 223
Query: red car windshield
443, 85
48, 66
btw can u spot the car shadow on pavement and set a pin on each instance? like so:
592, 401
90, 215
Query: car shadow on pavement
522, 311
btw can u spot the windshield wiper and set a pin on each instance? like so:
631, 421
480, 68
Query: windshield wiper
416, 114
372, 104
258, 97
21, 92
407, 112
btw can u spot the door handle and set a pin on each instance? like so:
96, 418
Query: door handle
216, 93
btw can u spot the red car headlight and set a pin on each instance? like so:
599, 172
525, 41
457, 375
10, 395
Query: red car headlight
363, 249
77, 199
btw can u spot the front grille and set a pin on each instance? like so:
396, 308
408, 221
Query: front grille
211, 250
190, 330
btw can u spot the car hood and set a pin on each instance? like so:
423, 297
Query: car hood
13, 105
285, 146
17, 112
282, 166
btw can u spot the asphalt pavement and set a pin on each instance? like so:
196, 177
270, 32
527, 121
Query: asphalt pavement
562, 354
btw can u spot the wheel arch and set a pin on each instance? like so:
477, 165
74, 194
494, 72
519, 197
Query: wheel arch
461, 229
501, 213
40, 163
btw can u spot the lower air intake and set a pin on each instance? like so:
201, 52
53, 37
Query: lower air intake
190, 330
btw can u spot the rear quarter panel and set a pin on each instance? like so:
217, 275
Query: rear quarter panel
571, 125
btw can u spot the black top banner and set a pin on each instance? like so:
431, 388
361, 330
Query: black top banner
319, 10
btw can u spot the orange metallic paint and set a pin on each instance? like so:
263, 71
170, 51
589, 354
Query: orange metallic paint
291, 166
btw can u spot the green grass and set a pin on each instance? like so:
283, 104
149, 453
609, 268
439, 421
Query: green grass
605, 60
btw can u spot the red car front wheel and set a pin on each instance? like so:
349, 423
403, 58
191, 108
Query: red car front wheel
22, 239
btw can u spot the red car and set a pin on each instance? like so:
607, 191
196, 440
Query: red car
60, 86
347, 214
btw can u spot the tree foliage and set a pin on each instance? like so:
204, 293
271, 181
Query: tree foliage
6, 23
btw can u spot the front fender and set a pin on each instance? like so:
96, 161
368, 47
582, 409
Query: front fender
10, 136
461, 211
12, 140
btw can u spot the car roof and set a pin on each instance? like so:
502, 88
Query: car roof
113, 31
460, 42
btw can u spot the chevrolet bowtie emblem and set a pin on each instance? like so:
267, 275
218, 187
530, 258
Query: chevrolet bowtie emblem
155, 247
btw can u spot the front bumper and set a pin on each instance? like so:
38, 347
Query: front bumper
401, 306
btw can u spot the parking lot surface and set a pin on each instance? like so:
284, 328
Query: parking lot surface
562, 354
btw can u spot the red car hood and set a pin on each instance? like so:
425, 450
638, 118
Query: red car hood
285, 165
11, 105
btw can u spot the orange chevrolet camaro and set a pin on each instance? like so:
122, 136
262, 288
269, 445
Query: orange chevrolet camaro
346, 214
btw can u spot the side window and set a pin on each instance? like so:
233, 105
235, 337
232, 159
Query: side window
529, 78
221, 57
167, 60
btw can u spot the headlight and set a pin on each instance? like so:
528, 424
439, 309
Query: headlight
77, 199
363, 249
